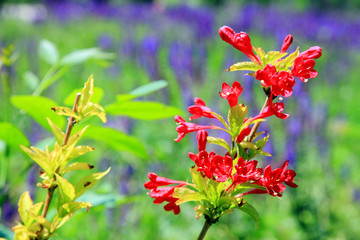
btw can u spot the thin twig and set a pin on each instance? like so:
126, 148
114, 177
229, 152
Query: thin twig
257, 124
51, 190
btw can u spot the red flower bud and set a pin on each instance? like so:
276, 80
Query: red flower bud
287, 42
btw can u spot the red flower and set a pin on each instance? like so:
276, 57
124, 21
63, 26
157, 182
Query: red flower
200, 110
312, 53
212, 165
287, 42
240, 41
273, 180
202, 139
246, 171
186, 127
281, 83
231, 93
165, 193
303, 68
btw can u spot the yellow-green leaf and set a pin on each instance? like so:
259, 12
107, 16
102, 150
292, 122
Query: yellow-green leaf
65, 111
87, 92
96, 97
272, 56
40, 157
88, 182
218, 141
58, 134
247, 66
21, 232
72, 207
41, 220
286, 63
25, 203
93, 109
77, 166
66, 191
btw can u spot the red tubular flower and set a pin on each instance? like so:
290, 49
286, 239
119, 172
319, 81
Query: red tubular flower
240, 41
281, 83
165, 193
212, 165
231, 93
202, 139
273, 180
156, 181
246, 171
287, 42
200, 110
186, 127
312, 53
304, 68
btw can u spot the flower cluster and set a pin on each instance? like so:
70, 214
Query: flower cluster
220, 182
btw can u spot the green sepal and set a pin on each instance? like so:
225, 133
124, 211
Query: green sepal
249, 209
236, 117
58, 134
186, 195
88, 182
272, 56
218, 141
247, 66
287, 62
260, 145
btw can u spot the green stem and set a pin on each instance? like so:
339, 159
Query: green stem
204, 230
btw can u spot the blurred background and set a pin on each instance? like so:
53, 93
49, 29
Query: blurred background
177, 41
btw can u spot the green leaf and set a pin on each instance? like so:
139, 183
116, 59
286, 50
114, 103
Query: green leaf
82, 55
12, 136
31, 80
21, 232
244, 144
272, 56
25, 203
258, 51
88, 182
236, 117
96, 97
249, 209
212, 193
66, 191
218, 141
260, 145
48, 52
58, 134
41, 220
77, 166
117, 140
148, 88
78, 151
247, 66
38, 108
142, 110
